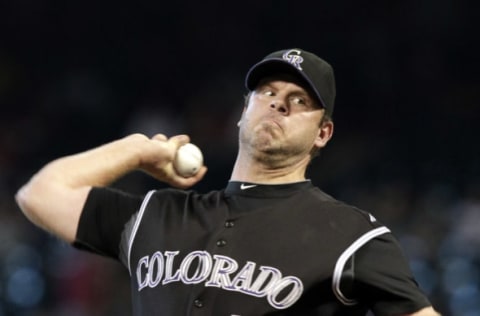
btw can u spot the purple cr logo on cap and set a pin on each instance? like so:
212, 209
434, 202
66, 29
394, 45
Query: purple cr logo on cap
295, 60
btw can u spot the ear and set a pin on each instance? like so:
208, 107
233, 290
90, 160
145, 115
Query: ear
241, 117
325, 132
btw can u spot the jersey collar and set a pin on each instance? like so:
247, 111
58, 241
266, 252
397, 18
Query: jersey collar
265, 190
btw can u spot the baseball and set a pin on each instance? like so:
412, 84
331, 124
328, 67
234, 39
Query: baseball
188, 160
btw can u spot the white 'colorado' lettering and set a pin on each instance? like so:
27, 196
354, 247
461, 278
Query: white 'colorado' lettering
221, 272
168, 268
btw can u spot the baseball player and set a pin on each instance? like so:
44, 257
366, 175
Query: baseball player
269, 243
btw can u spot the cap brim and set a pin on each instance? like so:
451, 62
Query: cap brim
273, 67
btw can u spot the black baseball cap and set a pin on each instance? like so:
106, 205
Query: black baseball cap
314, 71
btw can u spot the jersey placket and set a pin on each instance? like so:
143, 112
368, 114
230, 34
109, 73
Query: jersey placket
203, 296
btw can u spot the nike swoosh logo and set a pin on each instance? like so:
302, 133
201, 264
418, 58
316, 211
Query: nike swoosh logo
244, 186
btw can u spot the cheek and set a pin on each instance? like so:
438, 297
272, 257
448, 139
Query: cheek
251, 113
306, 127
307, 120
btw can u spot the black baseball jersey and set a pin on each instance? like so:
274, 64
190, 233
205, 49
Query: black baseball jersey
250, 249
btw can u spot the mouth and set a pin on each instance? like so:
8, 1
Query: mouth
270, 126
272, 120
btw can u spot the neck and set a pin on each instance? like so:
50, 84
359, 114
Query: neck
250, 169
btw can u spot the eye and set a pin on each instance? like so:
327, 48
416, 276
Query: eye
299, 100
268, 93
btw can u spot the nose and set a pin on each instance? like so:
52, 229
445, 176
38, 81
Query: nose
279, 106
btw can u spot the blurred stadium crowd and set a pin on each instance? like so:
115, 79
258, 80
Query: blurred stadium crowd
77, 74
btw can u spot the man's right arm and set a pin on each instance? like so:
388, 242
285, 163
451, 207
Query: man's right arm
54, 197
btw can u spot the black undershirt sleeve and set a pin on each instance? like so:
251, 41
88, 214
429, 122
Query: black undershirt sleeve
383, 278
103, 218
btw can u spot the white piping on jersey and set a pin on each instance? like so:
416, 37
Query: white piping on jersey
342, 260
135, 227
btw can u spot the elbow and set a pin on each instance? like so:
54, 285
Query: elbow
21, 198
52, 207
427, 311
30, 200
24, 198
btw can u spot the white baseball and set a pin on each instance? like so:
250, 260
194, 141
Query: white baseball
188, 160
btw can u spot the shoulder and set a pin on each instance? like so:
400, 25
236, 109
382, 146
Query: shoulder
172, 195
179, 205
342, 211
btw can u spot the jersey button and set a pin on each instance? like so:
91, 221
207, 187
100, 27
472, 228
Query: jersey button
198, 303
229, 224
221, 242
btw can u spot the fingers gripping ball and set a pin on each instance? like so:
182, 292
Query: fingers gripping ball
188, 160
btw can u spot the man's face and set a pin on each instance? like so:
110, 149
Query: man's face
282, 120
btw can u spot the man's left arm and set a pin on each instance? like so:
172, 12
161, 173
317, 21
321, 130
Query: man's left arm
384, 280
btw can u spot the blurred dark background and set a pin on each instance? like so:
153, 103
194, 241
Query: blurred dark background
76, 74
